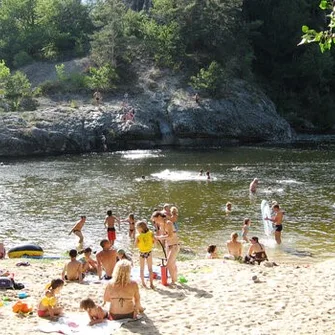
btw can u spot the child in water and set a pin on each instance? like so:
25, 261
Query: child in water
131, 221
245, 229
212, 252
109, 223
145, 242
96, 313
48, 304
228, 207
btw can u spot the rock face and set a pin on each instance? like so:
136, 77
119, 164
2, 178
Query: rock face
245, 115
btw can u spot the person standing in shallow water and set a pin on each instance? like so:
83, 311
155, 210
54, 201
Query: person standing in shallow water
277, 219
110, 225
77, 229
253, 186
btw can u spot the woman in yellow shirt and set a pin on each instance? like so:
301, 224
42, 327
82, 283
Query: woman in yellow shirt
145, 242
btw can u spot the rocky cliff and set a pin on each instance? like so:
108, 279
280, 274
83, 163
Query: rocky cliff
162, 117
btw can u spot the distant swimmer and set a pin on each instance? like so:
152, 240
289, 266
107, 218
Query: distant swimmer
228, 207
201, 172
208, 175
277, 219
78, 227
253, 186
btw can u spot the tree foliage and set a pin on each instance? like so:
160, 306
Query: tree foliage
43, 29
210, 80
325, 38
13, 87
208, 41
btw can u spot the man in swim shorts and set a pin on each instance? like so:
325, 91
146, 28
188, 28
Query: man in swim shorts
277, 219
106, 260
110, 225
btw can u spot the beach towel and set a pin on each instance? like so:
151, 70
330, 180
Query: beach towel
77, 324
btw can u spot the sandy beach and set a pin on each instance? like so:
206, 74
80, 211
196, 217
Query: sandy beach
219, 297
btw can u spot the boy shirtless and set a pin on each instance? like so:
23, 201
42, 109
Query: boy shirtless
277, 219
73, 270
110, 225
234, 247
77, 229
106, 260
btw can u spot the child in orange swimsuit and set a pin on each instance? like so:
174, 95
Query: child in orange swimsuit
48, 304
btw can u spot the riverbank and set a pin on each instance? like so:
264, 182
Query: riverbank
219, 297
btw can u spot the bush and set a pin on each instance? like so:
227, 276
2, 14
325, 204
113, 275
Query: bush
21, 59
102, 78
210, 80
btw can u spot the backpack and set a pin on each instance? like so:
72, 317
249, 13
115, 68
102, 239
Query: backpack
6, 283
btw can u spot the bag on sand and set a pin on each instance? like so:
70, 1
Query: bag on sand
6, 283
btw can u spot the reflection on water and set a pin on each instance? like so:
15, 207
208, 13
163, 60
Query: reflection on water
42, 198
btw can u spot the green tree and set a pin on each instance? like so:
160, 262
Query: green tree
102, 78
210, 80
17, 87
109, 40
325, 38
285, 70
4, 75
13, 87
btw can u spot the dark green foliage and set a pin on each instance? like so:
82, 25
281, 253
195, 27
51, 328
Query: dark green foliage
14, 87
43, 29
300, 80
210, 80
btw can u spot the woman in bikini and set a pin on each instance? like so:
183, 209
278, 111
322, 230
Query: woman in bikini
123, 293
172, 243
256, 252
131, 222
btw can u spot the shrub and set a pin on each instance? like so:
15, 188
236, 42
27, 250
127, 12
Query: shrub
22, 58
210, 80
102, 78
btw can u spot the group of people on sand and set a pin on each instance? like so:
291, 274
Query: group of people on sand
115, 266
121, 292
256, 251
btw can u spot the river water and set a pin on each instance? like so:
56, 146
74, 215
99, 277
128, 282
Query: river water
41, 198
